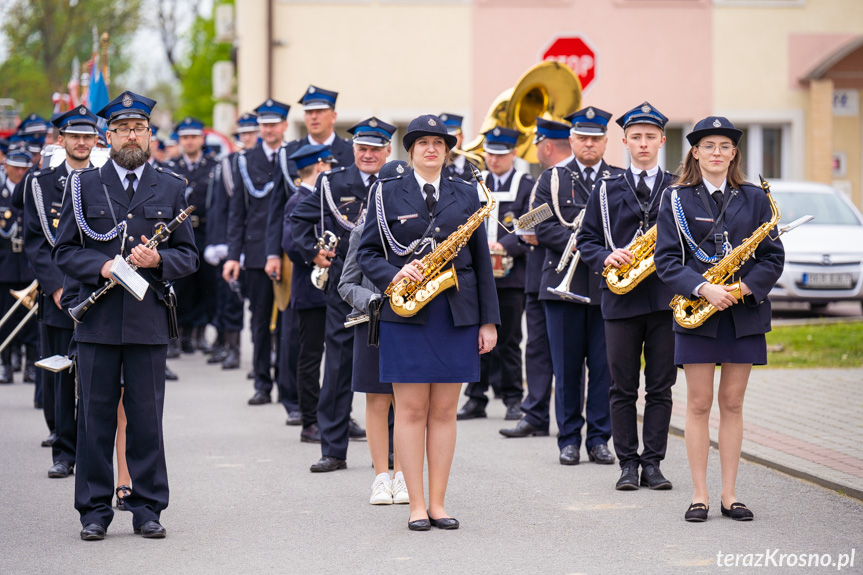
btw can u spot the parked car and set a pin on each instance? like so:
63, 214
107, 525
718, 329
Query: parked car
823, 258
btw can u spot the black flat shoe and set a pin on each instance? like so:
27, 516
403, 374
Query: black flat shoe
524, 429
326, 463
93, 532
126, 491
151, 530
260, 398
697, 513
419, 525
738, 512
49, 441
443, 522
472, 409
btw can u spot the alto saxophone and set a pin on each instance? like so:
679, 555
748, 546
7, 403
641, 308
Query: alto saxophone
623, 279
692, 313
408, 297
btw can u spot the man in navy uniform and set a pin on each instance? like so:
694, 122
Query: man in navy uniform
196, 294
43, 200
575, 326
307, 302
622, 207
255, 178
342, 194
459, 167
511, 189
552, 149
108, 212
229, 302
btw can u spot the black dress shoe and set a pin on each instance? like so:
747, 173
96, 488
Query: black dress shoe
170, 375
251, 374
49, 441
327, 463
311, 434
93, 532
15, 358
513, 411
444, 522
652, 477
29, 373
5, 373
524, 429
355, 431
126, 491
738, 512
60, 470
151, 530
472, 409
569, 455
600, 454
173, 349
419, 525
219, 354
260, 398
294, 417
628, 478
697, 513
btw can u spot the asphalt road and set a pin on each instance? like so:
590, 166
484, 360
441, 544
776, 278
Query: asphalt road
243, 501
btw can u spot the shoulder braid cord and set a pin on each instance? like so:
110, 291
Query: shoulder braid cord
337, 215
606, 220
40, 210
387, 235
243, 167
79, 215
555, 201
683, 229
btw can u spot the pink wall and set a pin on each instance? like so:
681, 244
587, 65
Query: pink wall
655, 50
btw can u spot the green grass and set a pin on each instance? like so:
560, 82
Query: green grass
817, 345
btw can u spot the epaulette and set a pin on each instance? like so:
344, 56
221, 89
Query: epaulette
335, 170
87, 169
612, 176
162, 170
44, 171
391, 178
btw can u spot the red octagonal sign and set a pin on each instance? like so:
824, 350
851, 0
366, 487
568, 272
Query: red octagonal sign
575, 52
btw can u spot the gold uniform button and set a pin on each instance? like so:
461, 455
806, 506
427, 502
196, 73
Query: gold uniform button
102, 213
437, 230
129, 216
131, 239
159, 213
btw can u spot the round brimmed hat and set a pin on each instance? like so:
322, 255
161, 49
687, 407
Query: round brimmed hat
714, 126
393, 169
428, 125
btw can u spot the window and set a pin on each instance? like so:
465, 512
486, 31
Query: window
671, 155
764, 151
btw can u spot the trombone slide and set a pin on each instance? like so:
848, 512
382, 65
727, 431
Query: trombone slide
562, 290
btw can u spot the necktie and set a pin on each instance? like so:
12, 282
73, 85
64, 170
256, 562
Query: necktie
430, 201
641, 189
588, 178
130, 189
372, 179
717, 197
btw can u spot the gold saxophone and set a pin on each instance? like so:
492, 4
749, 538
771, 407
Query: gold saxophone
408, 297
692, 313
623, 279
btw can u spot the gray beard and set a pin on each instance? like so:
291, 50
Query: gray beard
130, 157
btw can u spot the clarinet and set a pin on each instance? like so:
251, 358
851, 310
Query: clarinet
79, 311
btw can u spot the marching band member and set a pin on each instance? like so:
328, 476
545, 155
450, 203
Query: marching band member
511, 189
336, 205
552, 149
43, 199
622, 207
111, 211
459, 167
428, 355
359, 292
575, 328
710, 209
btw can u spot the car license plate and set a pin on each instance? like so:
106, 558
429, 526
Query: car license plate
828, 281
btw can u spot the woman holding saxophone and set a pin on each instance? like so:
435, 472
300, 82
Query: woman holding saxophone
708, 212
429, 352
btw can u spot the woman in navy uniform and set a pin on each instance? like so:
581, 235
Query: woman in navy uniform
710, 210
424, 355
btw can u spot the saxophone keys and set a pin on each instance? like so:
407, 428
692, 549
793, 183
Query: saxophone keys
411, 305
422, 295
432, 286
397, 300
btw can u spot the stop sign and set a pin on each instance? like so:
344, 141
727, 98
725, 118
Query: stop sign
577, 53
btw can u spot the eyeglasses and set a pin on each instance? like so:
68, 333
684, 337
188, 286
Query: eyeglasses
124, 132
709, 148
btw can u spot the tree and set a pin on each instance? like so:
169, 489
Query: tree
43, 37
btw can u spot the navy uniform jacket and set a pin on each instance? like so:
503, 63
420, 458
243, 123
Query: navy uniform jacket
247, 215
475, 300
747, 209
573, 194
625, 217
349, 194
199, 192
52, 182
535, 256
304, 295
14, 267
466, 173
508, 212
343, 152
223, 188
119, 318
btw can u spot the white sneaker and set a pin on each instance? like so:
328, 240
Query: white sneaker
400, 491
382, 493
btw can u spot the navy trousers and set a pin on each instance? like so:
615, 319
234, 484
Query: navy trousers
143, 369
56, 342
576, 333
259, 289
334, 403
229, 307
538, 365
312, 331
289, 350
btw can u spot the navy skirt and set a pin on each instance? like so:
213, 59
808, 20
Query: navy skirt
726, 347
437, 352
366, 371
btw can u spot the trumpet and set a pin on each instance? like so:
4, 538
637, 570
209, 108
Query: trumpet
27, 298
320, 275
